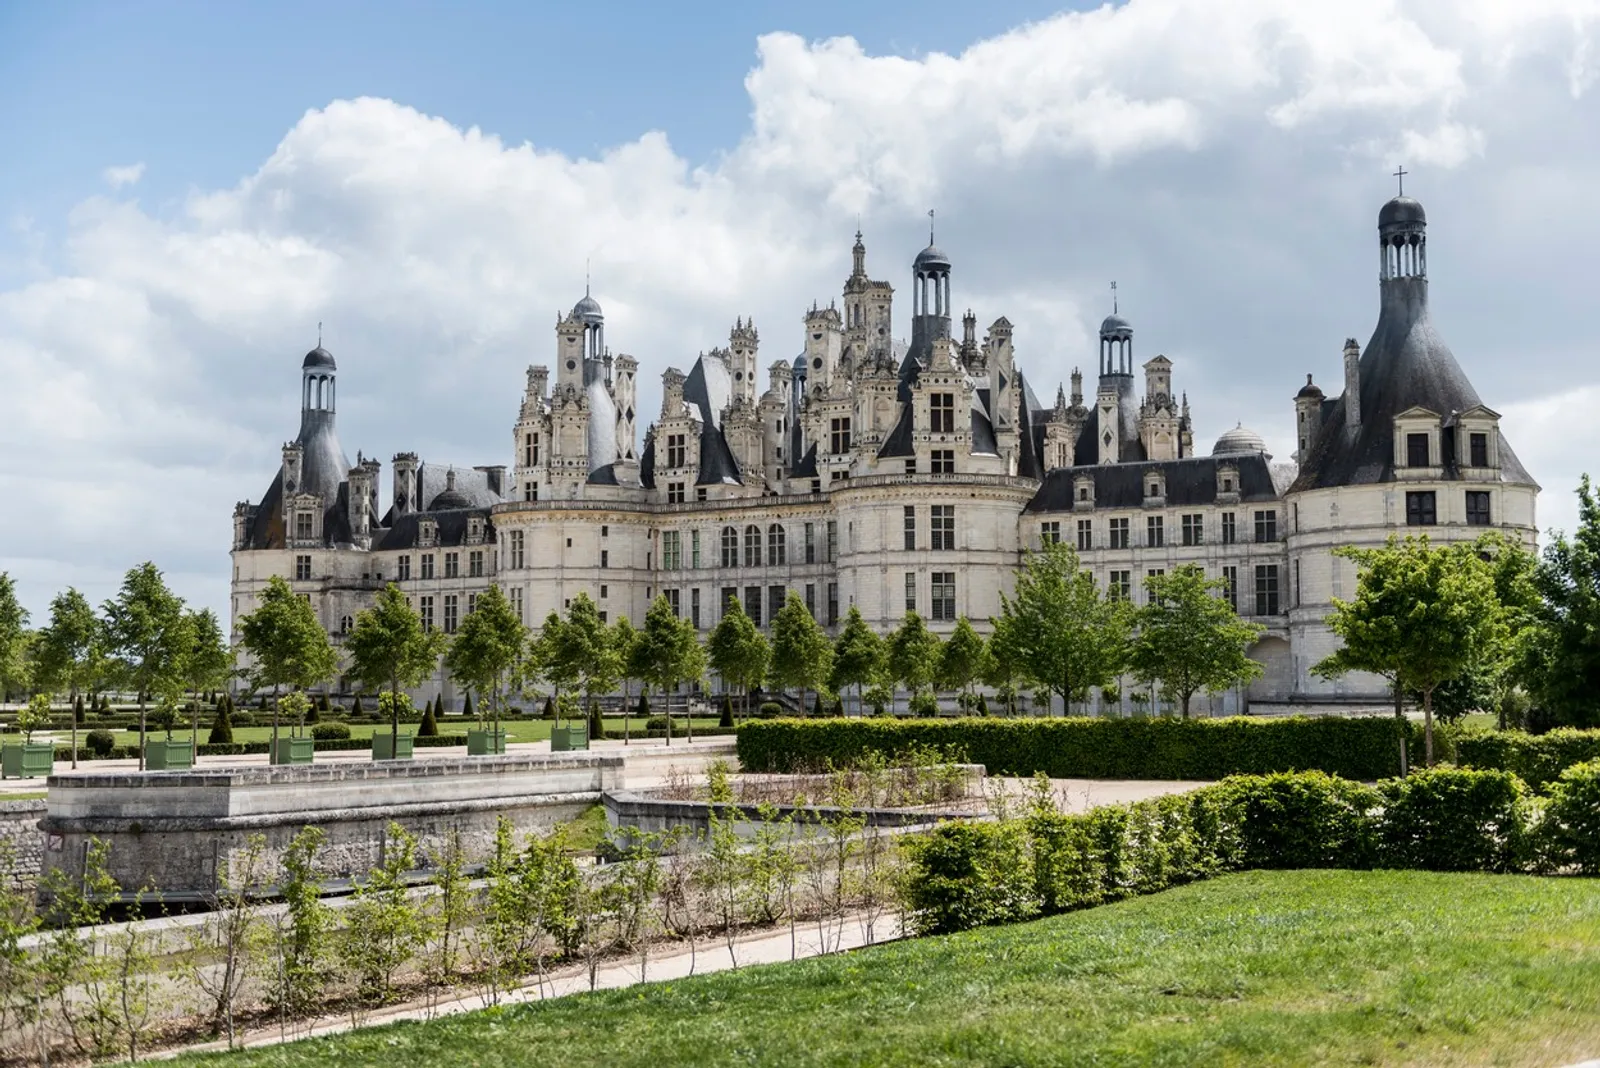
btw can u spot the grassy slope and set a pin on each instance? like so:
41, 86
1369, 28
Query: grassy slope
1259, 969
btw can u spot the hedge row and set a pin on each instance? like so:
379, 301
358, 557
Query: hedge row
965, 875
320, 745
1537, 759
1354, 748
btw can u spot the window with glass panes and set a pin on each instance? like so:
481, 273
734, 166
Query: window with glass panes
1149, 592
1267, 526
752, 603
427, 565
775, 596
1085, 534
303, 528
1421, 508
694, 608
1118, 531
451, 608
1416, 450
833, 603
425, 610
777, 545
402, 564
674, 601
811, 599
1478, 508
730, 547
1193, 526
910, 514
671, 550
832, 545
942, 525
694, 548
752, 546
518, 548
1230, 585
1154, 531
942, 413
452, 565
475, 564
942, 596
911, 591
839, 436
1049, 533
1266, 589
730, 598
676, 450
674, 492
811, 543
943, 462
1119, 585
1229, 529
1478, 449
302, 567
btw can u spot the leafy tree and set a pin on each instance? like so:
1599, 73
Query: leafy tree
487, 647
738, 651
961, 661
1563, 659
147, 635
287, 645
624, 639
1058, 629
669, 653
802, 656
586, 642
550, 651
13, 638
1422, 615
209, 663
69, 653
859, 659
1190, 638
390, 646
913, 655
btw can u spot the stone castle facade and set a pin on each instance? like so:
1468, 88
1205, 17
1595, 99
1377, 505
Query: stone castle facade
902, 475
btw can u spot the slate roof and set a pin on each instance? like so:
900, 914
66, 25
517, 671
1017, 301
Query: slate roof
1190, 482
323, 468
709, 390
452, 529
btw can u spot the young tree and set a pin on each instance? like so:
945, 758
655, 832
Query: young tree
1189, 638
1564, 660
961, 661
551, 649
13, 638
913, 655
287, 645
858, 657
586, 642
802, 656
669, 653
147, 634
390, 647
487, 647
624, 638
209, 663
738, 651
1059, 629
1422, 615
69, 656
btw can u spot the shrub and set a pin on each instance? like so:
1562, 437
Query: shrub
924, 704
597, 728
466, 705
769, 710
549, 707
1453, 819
77, 710
983, 705
656, 723
816, 708
726, 719
1571, 825
1302, 820
965, 875
242, 719
1354, 748
355, 707
643, 707
1536, 759
330, 729
100, 742
430, 724
222, 725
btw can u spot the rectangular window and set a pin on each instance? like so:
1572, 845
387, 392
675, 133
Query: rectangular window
475, 564
839, 436
530, 450
1085, 535
694, 607
605, 557
674, 492
910, 527
833, 541
699, 493
833, 603
752, 603
1119, 533
1266, 589
1478, 508
943, 525
775, 596
425, 606
1193, 529
1230, 581
694, 548
451, 608
516, 603
1266, 526
943, 596
605, 591
1229, 531
1149, 593
1049, 533
911, 591
530, 490
1420, 509
1416, 450
730, 597
303, 526
730, 547
911, 465
674, 601
302, 567
517, 545
1119, 585
427, 565
942, 413
671, 550
402, 564
675, 450
1478, 446
777, 545
811, 599
944, 461
811, 543
452, 565
1154, 532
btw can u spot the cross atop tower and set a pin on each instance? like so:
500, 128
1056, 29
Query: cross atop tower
1400, 175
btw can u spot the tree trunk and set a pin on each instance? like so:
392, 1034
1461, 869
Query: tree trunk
141, 730
74, 707
1186, 697
1427, 726
666, 704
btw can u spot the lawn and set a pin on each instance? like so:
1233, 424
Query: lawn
1285, 968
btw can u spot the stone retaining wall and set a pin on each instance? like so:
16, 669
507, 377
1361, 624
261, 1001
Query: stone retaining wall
20, 836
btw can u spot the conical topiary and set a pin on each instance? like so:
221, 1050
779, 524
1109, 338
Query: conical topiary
597, 729
312, 715
837, 709
727, 712
355, 707
983, 705
549, 707
816, 708
77, 710
466, 705
222, 726
430, 724
643, 708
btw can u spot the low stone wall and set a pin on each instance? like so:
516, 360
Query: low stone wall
20, 836
650, 814
175, 831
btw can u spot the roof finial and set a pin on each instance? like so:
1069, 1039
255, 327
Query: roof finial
319, 333
1113, 297
586, 276
930, 227
1400, 175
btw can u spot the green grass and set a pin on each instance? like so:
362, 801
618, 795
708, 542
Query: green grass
587, 830
1285, 968
519, 730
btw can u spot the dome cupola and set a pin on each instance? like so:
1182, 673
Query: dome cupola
1239, 441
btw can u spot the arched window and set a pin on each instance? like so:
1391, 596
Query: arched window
730, 547
752, 546
345, 623
777, 553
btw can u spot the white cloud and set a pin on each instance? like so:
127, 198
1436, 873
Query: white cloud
117, 177
1221, 160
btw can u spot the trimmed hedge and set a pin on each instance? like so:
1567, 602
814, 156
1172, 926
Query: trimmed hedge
320, 745
1365, 748
1536, 759
1572, 819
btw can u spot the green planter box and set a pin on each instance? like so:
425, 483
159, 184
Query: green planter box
26, 760
384, 747
486, 743
293, 751
168, 756
566, 739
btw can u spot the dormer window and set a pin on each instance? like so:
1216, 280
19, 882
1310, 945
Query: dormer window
1478, 449
1416, 450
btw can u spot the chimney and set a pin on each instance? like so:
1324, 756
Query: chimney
1352, 384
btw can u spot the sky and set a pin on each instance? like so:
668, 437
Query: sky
189, 189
